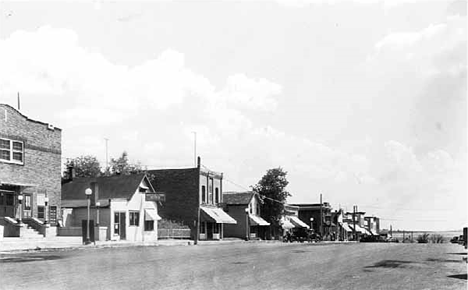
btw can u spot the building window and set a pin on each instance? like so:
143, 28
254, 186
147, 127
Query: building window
203, 193
10, 199
216, 228
134, 218
210, 190
202, 227
149, 225
11, 151
40, 211
217, 195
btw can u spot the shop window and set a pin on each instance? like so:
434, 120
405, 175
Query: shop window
40, 211
134, 218
149, 225
10, 199
202, 227
216, 228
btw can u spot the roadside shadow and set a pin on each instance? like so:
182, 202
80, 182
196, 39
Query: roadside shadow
459, 276
457, 254
390, 264
29, 259
444, 260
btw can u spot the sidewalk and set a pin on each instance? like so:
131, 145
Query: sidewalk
9, 245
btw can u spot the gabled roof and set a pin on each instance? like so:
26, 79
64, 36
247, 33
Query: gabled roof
238, 198
117, 186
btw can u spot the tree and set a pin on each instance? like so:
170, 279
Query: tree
121, 166
272, 189
85, 166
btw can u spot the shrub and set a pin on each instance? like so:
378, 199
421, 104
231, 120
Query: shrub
423, 239
437, 239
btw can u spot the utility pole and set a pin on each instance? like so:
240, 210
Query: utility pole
107, 154
321, 217
354, 221
195, 148
19, 103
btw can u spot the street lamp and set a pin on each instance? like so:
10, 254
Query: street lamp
98, 204
88, 193
20, 200
46, 201
247, 224
312, 223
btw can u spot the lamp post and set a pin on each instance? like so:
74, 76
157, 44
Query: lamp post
312, 223
98, 204
88, 193
20, 200
247, 224
46, 216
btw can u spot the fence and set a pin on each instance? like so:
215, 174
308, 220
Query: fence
173, 233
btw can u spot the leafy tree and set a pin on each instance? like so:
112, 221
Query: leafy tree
120, 165
85, 166
272, 187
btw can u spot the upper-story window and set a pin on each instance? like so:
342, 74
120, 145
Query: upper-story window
216, 195
210, 190
203, 193
11, 151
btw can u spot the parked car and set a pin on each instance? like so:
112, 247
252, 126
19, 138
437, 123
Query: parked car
454, 240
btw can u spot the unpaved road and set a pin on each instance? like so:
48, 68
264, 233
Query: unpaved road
241, 266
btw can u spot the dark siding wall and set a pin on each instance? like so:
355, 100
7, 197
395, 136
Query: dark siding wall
181, 187
42, 156
238, 230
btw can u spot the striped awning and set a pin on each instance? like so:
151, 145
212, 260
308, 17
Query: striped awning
255, 220
297, 222
217, 215
151, 214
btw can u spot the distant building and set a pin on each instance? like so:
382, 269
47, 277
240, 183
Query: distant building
124, 205
194, 197
372, 223
310, 214
30, 174
244, 207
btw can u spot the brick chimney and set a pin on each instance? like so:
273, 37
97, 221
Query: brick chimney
71, 171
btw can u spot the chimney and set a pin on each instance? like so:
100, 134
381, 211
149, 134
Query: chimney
198, 162
71, 171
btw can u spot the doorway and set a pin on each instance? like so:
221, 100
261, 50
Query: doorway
119, 224
7, 203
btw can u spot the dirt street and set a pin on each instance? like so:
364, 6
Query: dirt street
241, 266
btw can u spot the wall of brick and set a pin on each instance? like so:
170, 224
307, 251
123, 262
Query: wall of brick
181, 187
42, 156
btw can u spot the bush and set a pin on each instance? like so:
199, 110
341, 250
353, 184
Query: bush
423, 239
437, 239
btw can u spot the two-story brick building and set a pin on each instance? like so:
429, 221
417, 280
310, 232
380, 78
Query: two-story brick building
193, 197
30, 173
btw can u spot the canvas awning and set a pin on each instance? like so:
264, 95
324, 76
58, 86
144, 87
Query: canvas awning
217, 215
347, 227
257, 221
151, 214
286, 224
297, 222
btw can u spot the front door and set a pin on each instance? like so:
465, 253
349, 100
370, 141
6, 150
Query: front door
210, 231
119, 224
7, 203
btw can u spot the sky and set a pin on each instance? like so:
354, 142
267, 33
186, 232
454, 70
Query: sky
361, 101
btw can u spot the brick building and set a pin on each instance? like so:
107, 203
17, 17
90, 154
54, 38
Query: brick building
320, 224
193, 197
244, 207
30, 173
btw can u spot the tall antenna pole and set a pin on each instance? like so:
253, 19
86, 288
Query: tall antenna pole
107, 154
195, 148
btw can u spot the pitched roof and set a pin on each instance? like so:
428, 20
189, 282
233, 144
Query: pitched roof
238, 198
118, 186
